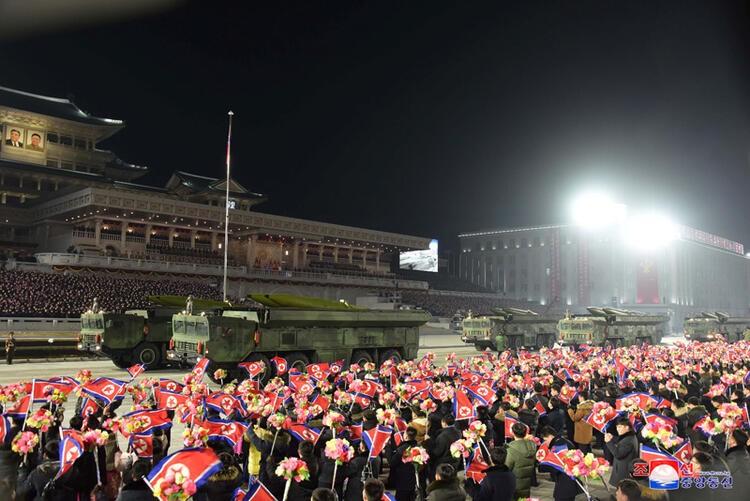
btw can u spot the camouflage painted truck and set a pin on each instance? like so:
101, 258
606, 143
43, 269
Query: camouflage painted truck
708, 325
510, 328
611, 327
132, 337
299, 329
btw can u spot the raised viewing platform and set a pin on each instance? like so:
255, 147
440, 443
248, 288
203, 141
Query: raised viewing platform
233, 272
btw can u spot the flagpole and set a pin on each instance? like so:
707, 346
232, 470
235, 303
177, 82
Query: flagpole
226, 210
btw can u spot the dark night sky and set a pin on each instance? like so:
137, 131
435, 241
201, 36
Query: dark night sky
426, 118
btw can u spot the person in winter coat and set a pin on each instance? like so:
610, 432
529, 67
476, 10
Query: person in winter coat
566, 489
304, 489
438, 445
738, 461
8, 462
446, 486
521, 455
555, 416
401, 476
133, 486
625, 448
221, 485
31, 487
353, 473
499, 484
584, 433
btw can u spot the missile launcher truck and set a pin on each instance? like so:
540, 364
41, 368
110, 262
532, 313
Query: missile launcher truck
712, 326
509, 328
611, 327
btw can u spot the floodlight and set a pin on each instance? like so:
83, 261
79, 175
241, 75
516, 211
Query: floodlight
596, 210
650, 231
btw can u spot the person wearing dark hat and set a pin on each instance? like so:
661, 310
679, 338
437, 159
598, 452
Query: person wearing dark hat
624, 448
33, 486
446, 486
738, 461
499, 484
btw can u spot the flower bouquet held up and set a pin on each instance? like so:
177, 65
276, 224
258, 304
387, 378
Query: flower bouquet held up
583, 467
340, 451
292, 469
418, 457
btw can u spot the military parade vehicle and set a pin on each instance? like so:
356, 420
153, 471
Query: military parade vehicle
129, 338
611, 327
712, 326
509, 328
299, 329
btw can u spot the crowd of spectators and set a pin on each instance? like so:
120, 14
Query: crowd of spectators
182, 255
68, 294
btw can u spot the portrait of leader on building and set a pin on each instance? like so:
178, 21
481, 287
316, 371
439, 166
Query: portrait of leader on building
34, 141
14, 136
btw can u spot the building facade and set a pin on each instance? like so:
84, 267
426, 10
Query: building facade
566, 267
60, 193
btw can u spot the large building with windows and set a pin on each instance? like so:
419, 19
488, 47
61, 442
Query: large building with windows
568, 267
67, 201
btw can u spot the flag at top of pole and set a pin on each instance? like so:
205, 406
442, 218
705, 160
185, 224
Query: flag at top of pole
226, 211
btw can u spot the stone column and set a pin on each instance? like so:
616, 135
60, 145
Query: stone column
98, 232
351, 255
295, 255
193, 234
214, 237
149, 228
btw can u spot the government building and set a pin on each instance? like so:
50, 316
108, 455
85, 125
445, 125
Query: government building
65, 202
567, 267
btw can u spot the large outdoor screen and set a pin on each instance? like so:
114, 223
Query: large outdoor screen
421, 260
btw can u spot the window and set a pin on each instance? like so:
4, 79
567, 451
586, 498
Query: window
66, 140
66, 165
536, 242
524, 243
53, 162
80, 144
512, 243
52, 137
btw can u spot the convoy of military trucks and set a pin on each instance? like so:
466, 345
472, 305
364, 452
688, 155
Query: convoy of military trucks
179, 331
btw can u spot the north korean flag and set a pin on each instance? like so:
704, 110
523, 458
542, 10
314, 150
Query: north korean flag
462, 408
170, 400
303, 432
370, 388
318, 371
170, 385
539, 407
136, 370
551, 459
257, 492
106, 389
70, 450
142, 444
194, 463
400, 423
648, 454
231, 431
355, 433
599, 421
89, 407
361, 400
253, 369
509, 422
337, 367
150, 420
684, 453
476, 463
416, 388
745, 415
481, 392
376, 439
200, 368
71, 432
5, 427
224, 403
281, 365
40, 385
19, 408
650, 418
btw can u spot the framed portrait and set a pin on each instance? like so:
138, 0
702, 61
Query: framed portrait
14, 136
34, 140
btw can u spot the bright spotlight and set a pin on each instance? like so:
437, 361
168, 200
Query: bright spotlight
597, 210
650, 231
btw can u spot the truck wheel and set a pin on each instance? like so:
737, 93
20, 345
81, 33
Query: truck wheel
296, 360
360, 357
121, 361
391, 354
149, 355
